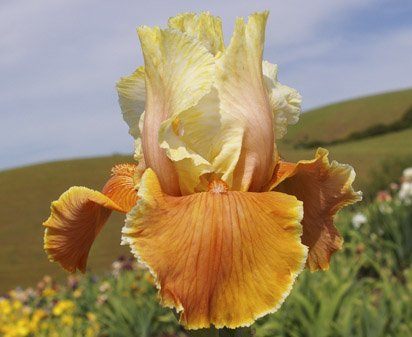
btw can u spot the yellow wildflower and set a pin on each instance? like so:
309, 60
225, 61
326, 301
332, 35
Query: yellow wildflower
16, 305
77, 293
49, 292
36, 318
67, 320
5, 307
91, 316
63, 306
18, 329
91, 331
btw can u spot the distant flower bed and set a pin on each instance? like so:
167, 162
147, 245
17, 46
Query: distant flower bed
121, 303
367, 292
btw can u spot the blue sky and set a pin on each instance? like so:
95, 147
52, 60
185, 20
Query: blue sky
59, 62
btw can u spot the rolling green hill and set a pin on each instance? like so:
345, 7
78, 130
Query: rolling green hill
26, 193
25, 197
338, 120
366, 155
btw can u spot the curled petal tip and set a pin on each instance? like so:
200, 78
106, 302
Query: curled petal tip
76, 219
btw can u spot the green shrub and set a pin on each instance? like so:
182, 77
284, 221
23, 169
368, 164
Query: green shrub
386, 173
403, 123
131, 308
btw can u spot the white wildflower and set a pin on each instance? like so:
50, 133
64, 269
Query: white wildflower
358, 220
405, 192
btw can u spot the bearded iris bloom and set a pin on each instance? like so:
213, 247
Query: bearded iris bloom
222, 222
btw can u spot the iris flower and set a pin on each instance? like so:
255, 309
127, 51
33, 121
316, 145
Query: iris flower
221, 221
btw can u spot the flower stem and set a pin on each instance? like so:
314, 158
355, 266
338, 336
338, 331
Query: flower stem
212, 332
240, 332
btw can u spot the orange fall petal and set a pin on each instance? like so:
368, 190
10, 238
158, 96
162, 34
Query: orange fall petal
80, 213
221, 258
324, 188
123, 185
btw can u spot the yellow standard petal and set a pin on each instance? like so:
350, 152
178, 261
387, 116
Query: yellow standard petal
132, 97
284, 101
204, 27
80, 213
324, 188
219, 257
202, 140
188, 137
179, 72
243, 95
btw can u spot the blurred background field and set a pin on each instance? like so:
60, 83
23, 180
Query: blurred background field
26, 193
367, 292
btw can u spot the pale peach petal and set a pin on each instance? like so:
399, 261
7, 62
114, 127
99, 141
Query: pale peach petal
324, 188
284, 101
219, 257
244, 96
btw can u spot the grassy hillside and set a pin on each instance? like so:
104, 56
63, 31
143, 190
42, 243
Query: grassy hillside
25, 197
338, 120
365, 155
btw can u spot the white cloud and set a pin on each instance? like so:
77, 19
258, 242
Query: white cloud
356, 68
